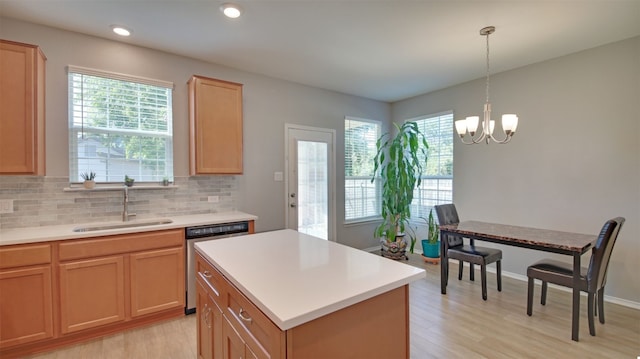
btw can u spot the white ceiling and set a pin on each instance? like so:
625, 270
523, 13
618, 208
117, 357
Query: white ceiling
385, 50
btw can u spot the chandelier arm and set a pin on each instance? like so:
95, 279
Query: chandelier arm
474, 141
505, 140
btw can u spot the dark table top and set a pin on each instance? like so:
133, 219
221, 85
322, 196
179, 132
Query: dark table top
524, 236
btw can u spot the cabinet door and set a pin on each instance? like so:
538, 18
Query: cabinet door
233, 345
157, 281
203, 311
21, 109
215, 119
209, 324
25, 305
91, 293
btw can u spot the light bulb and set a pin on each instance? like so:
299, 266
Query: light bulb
509, 123
461, 127
232, 11
122, 31
472, 124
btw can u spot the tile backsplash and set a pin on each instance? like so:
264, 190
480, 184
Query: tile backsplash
43, 201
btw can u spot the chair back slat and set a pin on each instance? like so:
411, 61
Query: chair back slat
601, 253
447, 214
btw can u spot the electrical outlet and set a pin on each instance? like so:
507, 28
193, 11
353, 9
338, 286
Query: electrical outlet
213, 199
6, 206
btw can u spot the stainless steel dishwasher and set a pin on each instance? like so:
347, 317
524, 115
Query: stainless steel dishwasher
205, 233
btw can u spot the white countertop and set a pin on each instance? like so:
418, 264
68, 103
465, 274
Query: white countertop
61, 232
295, 278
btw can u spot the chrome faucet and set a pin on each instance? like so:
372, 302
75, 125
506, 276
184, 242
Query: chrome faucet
125, 212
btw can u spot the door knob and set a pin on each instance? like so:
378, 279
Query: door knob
292, 205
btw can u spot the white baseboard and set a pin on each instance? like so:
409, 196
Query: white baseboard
523, 278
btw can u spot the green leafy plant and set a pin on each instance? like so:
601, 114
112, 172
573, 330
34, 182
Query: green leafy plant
400, 161
88, 176
432, 229
128, 180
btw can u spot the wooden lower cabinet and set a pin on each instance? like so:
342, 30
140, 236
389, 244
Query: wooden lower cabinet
209, 325
233, 346
357, 331
242, 330
157, 280
26, 294
127, 285
91, 293
70, 291
26, 313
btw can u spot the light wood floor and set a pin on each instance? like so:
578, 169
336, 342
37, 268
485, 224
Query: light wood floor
457, 325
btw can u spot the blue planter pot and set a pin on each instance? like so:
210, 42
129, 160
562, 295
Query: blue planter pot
431, 250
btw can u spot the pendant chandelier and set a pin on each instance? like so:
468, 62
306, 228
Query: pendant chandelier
470, 124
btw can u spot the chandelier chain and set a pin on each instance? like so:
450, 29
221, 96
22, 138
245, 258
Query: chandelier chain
487, 84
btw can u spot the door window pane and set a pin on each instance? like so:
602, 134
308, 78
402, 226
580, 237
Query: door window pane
313, 167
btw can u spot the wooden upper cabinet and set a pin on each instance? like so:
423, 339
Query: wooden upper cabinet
22, 109
215, 126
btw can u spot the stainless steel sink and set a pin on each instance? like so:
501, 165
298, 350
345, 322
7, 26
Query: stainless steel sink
132, 224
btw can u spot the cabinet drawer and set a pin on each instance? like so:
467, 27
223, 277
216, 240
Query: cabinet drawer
118, 244
262, 336
212, 280
24, 255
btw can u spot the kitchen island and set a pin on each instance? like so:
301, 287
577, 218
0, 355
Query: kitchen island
284, 294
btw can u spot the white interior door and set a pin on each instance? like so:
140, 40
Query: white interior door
310, 185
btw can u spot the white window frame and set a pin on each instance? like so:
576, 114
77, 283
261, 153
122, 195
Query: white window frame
133, 168
364, 180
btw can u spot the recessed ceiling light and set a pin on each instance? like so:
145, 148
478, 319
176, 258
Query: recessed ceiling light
120, 30
231, 10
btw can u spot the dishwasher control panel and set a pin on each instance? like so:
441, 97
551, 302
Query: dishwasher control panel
212, 230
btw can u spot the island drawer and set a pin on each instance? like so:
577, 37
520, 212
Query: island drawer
256, 329
212, 279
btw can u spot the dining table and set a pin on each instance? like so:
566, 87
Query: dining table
567, 243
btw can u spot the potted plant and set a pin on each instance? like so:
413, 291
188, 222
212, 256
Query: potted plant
88, 178
165, 181
128, 181
400, 161
431, 245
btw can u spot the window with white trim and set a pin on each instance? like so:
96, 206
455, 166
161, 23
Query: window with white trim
437, 178
119, 125
361, 196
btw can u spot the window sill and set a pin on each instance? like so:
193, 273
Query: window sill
360, 222
78, 187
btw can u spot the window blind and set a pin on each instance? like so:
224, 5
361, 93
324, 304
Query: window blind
362, 198
437, 178
119, 125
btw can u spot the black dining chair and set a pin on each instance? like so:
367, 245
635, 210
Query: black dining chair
592, 278
447, 214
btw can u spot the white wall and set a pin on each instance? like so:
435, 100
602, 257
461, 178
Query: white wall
268, 104
574, 162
